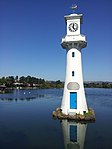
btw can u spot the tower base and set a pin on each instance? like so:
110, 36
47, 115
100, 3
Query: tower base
90, 116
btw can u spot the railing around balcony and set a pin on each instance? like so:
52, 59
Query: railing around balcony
74, 38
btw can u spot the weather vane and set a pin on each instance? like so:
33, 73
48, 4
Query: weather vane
74, 7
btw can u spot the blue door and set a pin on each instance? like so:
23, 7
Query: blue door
73, 100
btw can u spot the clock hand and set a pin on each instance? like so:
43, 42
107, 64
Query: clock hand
73, 27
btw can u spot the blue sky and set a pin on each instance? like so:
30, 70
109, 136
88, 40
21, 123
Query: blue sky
31, 32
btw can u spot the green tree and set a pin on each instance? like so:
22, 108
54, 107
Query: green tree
10, 81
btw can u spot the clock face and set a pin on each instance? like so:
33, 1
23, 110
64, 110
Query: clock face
73, 27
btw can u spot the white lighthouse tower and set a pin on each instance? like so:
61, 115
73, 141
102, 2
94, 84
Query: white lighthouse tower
74, 100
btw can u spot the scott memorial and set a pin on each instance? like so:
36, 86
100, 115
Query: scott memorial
74, 100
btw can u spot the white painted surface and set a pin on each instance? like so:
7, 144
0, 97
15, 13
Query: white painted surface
74, 21
74, 43
75, 38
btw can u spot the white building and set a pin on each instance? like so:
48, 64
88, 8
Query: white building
74, 100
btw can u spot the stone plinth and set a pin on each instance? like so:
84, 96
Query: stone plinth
90, 116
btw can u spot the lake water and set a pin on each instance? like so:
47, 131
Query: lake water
26, 121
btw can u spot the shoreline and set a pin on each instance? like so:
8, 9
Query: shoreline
9, 90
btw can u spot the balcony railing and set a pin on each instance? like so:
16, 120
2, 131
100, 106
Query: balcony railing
74, 38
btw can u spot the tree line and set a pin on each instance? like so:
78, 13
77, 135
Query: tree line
28, 82
98, 84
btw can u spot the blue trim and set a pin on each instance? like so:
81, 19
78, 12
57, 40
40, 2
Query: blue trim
73, 100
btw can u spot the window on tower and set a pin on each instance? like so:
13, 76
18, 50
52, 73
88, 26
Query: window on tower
73, 54
73, 73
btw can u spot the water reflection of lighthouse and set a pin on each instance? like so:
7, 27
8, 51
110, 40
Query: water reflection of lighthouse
74, 134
